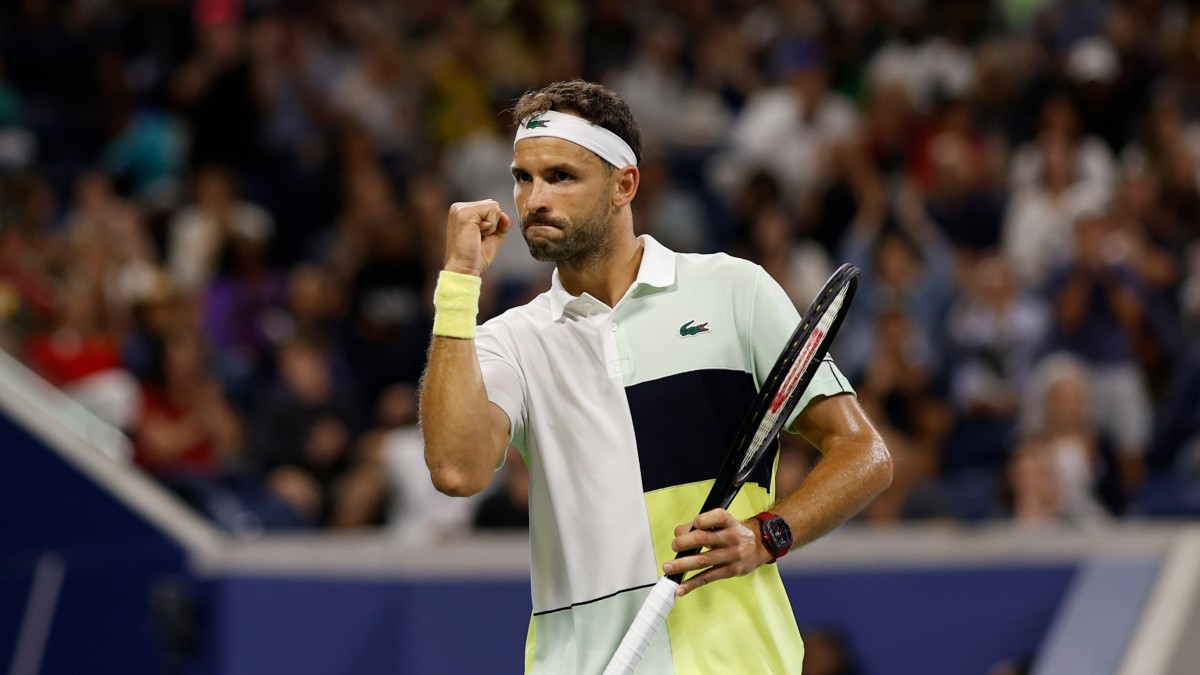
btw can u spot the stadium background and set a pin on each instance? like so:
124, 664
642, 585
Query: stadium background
220, 222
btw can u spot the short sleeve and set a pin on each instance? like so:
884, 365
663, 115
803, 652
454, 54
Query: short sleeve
502, 376
773, 319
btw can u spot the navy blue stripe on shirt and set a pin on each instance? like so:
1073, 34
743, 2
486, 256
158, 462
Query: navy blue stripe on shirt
685, 424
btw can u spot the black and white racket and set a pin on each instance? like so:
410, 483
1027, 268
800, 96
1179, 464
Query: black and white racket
780, 392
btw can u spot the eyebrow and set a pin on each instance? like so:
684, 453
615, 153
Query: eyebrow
568, 168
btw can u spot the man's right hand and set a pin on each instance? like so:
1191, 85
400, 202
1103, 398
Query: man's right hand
474, 232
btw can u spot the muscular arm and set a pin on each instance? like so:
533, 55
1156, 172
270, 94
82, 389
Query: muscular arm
856, 467
465, 433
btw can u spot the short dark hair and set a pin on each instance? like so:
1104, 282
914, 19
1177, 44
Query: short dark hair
593, 102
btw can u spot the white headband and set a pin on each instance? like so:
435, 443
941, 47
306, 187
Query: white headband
579, 131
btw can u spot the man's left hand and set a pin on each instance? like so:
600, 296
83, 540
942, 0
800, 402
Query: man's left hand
733, 548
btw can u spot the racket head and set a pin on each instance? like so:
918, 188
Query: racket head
788, 379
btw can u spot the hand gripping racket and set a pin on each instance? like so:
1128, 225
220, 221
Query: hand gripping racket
781, 391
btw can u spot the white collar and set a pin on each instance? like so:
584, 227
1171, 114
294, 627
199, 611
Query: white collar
657, 270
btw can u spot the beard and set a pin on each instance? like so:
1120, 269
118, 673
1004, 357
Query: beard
582, 241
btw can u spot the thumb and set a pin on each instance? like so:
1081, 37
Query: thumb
504, 224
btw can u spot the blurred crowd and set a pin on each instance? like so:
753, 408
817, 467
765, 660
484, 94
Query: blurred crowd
220, 222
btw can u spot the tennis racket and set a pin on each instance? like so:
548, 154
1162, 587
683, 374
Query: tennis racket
781, 391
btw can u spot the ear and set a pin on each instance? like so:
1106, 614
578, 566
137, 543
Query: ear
625, 185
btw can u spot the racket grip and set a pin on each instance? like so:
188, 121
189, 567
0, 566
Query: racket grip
649, 620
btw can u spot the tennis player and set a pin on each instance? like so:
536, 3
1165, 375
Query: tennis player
623, 386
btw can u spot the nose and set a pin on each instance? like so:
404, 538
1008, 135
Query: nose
537, 197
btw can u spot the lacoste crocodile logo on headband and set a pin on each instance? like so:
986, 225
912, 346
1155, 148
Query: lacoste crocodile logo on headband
688, 330
537, 124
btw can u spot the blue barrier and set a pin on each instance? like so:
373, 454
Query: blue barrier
928, 621
112, 560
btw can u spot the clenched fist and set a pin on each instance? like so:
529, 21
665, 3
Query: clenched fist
474, 232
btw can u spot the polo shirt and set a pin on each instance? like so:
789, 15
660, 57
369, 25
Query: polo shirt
624, 415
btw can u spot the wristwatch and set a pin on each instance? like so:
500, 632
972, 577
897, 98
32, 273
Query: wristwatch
776, 534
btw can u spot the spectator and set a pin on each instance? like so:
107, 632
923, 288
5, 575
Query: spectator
243, 311
388, 316
994, 334
198, 233
952, 165
653, 82
418, 513
889, 126
187, 428
1062, 470
1099, 309
898, 391
668, 212
1042, 213
907, 268
304, 433
18, 147
79, 355
106, 238
932, 68
790, 130
1085, 158
215, 88
379, 94
800, 266
314, 306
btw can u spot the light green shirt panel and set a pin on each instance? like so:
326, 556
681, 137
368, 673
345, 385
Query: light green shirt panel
699, 323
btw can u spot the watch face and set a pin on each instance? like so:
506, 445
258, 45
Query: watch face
779, 532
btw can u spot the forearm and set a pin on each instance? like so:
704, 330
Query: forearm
465, 434
848, 477
460, 446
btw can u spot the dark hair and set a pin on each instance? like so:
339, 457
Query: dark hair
593, 102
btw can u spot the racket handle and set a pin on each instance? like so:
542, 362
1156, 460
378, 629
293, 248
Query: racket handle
649, 620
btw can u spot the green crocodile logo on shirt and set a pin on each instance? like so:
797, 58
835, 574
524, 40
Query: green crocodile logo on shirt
535, 124
688, 330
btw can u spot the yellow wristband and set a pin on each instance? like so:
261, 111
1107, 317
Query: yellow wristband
456, 304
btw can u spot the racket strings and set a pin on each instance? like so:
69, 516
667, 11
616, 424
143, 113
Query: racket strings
793, 377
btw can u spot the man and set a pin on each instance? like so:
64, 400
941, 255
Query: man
623, 387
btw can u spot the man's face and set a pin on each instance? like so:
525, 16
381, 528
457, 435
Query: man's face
564, 207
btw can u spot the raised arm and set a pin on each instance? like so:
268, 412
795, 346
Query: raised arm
465, 433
